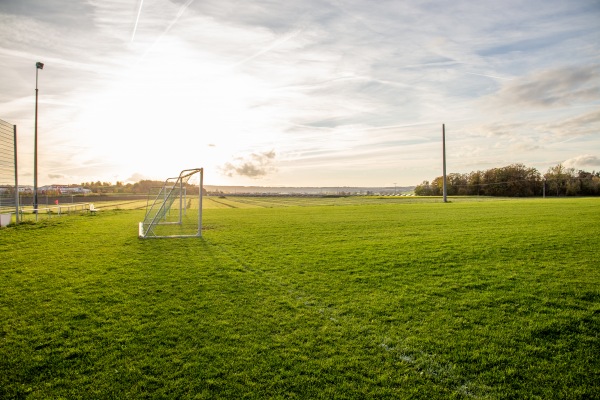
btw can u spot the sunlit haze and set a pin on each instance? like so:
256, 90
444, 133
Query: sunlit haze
299, 93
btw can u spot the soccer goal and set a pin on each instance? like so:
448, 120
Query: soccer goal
175, 209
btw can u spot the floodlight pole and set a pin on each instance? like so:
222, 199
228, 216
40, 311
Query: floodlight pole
38, 65
444, 158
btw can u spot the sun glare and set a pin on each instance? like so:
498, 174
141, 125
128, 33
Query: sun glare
175, 113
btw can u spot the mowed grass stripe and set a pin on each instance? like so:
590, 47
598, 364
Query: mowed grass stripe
488, 300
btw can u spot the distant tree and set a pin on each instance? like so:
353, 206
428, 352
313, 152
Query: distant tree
144, 186
589, 183
515, 180
456, 184
493, 182
520, 180
424, 189
475, 181
559, 179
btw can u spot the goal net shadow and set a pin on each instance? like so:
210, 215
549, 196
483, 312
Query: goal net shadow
175, 209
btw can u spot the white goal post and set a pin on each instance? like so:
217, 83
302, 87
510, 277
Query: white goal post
174, 210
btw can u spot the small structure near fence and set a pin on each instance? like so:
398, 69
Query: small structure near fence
5, 219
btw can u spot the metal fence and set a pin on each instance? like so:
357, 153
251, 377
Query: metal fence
28, 213
9, 194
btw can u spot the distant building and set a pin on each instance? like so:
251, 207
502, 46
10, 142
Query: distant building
56, 189
74, 190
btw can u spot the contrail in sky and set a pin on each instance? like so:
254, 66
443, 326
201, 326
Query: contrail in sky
490, 76
272, 46
179, 14
267, 48
137, 20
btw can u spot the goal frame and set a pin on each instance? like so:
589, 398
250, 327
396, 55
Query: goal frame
172, 190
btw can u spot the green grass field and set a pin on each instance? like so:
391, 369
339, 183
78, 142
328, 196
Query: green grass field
343, 298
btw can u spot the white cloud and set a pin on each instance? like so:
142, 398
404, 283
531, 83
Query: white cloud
585, 161
136, 177
256, 165
582, 124
563, 86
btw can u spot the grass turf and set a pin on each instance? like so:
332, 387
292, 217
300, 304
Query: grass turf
338, 299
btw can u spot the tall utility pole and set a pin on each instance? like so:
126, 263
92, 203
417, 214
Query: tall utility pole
38, 65
444, 158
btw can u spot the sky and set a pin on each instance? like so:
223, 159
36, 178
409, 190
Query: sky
299, 93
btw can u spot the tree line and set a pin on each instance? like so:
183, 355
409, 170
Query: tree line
141, 187
515, 180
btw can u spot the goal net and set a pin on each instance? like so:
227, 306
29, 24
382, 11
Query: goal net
175, 209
